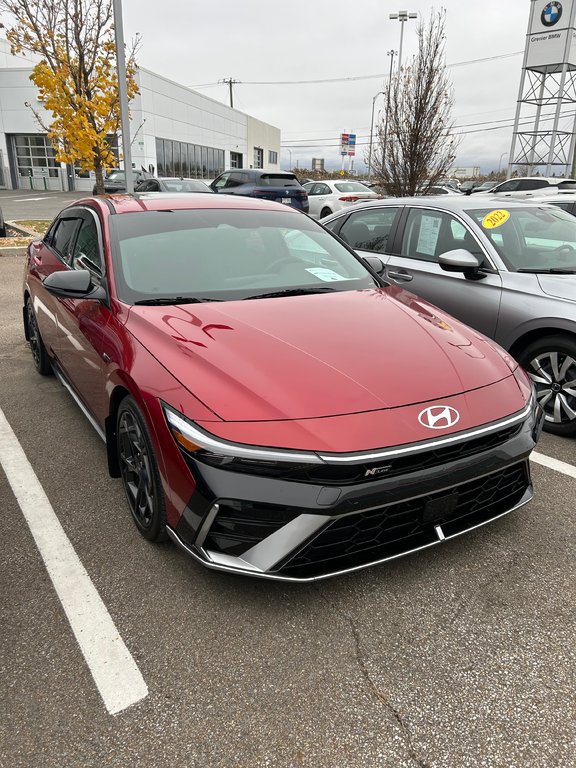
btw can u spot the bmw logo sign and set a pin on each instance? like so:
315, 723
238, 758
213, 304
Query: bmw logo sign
551, 14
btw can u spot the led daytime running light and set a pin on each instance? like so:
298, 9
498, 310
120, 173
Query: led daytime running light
181, 427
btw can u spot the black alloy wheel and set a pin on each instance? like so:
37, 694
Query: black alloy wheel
39, 353
139, 471
551, 364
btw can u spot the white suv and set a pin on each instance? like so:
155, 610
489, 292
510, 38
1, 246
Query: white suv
530, 186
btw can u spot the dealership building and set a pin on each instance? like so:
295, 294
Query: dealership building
175, 131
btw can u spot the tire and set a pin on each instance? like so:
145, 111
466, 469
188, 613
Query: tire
3, 230
139, 472
325, 212
39, 354
551, 364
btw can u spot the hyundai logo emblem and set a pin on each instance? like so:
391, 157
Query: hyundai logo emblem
551, 14
439, 417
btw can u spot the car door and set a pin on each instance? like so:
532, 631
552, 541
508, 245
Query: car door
316, 198
83, 322
426, 234
45, 257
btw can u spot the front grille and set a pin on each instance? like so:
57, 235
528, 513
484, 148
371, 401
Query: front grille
395, 529
342, 475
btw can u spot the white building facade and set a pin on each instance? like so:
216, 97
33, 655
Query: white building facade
174, 130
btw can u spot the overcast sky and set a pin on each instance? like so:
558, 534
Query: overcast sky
197, 43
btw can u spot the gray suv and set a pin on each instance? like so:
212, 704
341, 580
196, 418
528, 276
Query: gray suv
507, 269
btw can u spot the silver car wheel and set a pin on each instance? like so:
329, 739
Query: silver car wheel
554, 374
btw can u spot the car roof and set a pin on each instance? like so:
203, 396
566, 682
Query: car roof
162, 201
454, 203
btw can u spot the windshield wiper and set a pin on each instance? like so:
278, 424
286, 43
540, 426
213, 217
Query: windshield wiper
551, 271
168, 300
292, 292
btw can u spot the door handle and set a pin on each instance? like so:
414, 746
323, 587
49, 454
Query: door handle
404, 277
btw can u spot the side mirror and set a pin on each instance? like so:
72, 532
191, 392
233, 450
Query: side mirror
74, 284
461, 260
375, 264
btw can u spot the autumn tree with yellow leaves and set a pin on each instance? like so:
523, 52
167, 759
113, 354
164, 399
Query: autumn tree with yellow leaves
76, 75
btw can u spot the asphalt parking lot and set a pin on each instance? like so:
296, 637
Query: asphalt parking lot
462, 655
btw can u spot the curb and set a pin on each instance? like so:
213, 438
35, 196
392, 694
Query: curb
15, 250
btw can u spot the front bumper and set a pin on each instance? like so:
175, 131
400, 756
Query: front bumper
295, 528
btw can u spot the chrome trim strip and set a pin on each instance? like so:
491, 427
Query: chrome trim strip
244, 568
279, 544
359, 458
60, 376
206, 525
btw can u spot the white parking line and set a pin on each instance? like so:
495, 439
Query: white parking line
555, 464
115, 673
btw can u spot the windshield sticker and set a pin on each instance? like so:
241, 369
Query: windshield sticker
428, 236
327, 275
495, 219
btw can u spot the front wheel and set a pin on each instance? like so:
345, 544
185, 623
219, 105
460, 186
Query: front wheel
139, 472
39, 353
551, 364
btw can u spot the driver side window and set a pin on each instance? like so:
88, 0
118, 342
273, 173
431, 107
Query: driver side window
86, 253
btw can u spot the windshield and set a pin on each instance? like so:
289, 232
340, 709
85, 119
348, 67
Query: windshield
185, 185
116, 176
226, 255
531, 239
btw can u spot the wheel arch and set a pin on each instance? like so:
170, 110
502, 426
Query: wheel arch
531, 334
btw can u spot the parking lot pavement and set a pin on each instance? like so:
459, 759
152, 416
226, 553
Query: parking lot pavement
29, 204
460, 656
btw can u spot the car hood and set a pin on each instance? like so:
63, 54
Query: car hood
316, 356
560, 286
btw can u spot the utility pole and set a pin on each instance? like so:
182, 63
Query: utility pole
123, 95
230, 82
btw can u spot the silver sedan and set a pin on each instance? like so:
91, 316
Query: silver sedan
507, 269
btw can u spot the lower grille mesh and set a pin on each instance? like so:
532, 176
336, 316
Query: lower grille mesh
363, 537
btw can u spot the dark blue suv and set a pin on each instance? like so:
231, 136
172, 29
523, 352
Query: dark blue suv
282, 187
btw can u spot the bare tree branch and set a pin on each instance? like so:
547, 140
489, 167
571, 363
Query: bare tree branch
415, 142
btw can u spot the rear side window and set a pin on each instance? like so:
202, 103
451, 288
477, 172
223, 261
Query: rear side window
528, 184
369, 230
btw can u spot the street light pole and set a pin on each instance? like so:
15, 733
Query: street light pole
371, 134
402, 17
391, 54
500, 161
290, 153
123, 94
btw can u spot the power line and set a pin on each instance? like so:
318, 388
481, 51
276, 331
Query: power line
356, 78
459, 133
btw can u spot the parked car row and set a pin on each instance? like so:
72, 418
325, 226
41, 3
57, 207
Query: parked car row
276, 404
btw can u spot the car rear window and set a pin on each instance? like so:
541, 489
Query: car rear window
279, 180
351, 186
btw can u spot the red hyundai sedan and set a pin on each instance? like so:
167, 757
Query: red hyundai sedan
269, 401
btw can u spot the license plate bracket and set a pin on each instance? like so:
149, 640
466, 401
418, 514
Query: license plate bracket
440, 508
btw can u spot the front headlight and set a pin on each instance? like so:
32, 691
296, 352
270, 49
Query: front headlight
196, 441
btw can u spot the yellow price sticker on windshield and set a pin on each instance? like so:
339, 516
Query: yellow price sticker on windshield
495, 219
